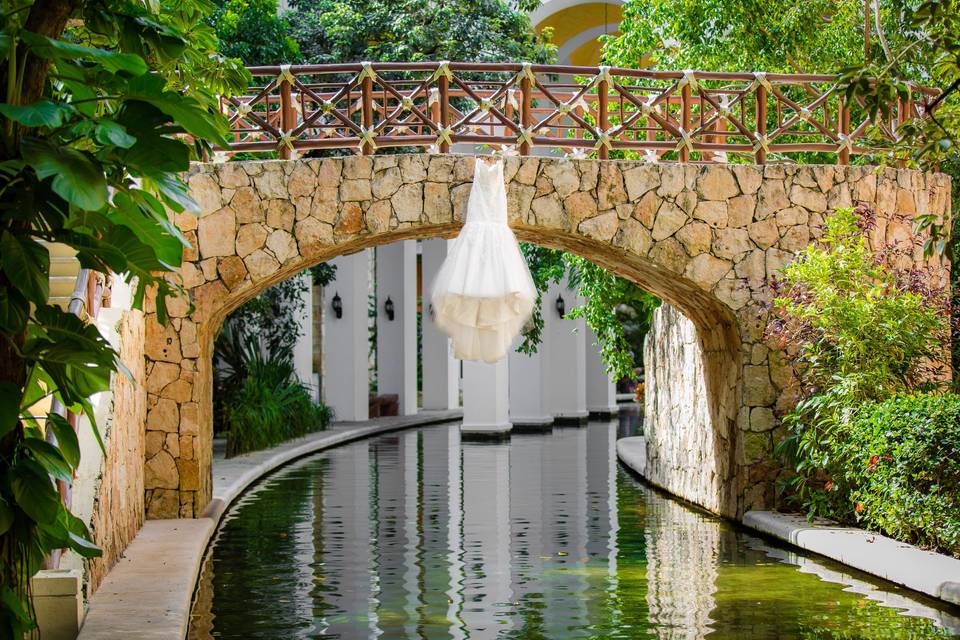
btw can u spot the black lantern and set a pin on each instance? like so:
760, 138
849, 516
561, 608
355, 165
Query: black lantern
561, 306
388, 308
337, 305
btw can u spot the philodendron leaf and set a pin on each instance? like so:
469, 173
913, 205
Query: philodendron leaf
112, 61
77, 178
42, 113
110, 132
34, 492
50, 458
67, 440
27, 265
9, 407
6, 516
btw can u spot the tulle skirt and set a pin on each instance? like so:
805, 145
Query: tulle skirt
483, 294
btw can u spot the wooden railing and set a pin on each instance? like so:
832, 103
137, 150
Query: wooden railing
688, 116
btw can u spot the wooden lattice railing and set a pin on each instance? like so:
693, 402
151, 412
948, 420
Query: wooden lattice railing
689, 116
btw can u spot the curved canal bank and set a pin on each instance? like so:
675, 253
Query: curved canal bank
417, 534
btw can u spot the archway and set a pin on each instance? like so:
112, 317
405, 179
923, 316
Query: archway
704, 238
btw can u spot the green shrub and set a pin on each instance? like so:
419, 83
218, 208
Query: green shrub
271, 406
259, 402
866, 336
901, 461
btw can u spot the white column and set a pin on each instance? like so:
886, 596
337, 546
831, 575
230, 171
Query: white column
303, 348
486, 391
601, 390
529, 388
563, 340
441, 371
347, 380
397, 339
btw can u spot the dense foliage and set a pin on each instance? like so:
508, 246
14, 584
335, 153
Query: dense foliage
618, 311
251, 31
93, 121
261, 401
408, 30
901, 462
859, 330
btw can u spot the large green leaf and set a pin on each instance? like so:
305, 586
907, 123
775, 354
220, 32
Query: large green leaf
6, 516
27, 265
110, 132
34, 492
9, 407
77, 178
164, 237
50, 458
13, 311
111, 61
42, 113
185, 110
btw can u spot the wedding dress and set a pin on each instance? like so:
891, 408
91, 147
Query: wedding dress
483, 294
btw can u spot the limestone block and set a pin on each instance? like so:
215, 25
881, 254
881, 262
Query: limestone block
250, 237
355, 191
216, 233
580, 206
731, 243
386, 183
706, 270
712, 212
695, 237
640, 180
602, 227
668, 221
408, 202
716, 182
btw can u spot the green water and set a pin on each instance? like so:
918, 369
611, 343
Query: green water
417, 535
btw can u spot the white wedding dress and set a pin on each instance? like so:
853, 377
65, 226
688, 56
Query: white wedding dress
483, 294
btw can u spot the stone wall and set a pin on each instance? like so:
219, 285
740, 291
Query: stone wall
684, 454
703, 238
108, 489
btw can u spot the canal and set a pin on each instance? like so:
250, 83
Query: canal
418, 535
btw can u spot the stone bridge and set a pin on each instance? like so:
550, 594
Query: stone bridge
705, 238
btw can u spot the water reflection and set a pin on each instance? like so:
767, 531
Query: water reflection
417, 535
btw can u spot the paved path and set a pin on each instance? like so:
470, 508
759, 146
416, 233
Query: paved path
147, 595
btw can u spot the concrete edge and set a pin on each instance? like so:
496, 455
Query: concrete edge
933, 574
927, 572
166, 611
221, 501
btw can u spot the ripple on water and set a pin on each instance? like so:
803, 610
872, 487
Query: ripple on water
417, 535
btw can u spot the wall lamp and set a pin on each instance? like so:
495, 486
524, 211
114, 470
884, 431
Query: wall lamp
388, 308
561, 306
337, 305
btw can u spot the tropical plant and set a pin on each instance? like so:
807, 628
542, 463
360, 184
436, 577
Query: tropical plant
405, 30
98, 120
618, 311
266, 404
856, 329
252, 31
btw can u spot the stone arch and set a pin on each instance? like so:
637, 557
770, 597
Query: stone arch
704, 238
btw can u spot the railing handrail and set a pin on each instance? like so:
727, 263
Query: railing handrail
691, 115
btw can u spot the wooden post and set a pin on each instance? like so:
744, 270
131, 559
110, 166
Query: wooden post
843, 157
603, 117
761, 154
288, 116
366, 110
444, 109
526, 118
685, 98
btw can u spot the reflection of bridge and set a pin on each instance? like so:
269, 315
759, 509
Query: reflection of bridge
512, 107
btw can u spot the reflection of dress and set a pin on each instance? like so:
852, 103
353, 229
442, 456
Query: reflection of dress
483, 293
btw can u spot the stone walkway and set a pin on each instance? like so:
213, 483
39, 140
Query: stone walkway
148, 593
